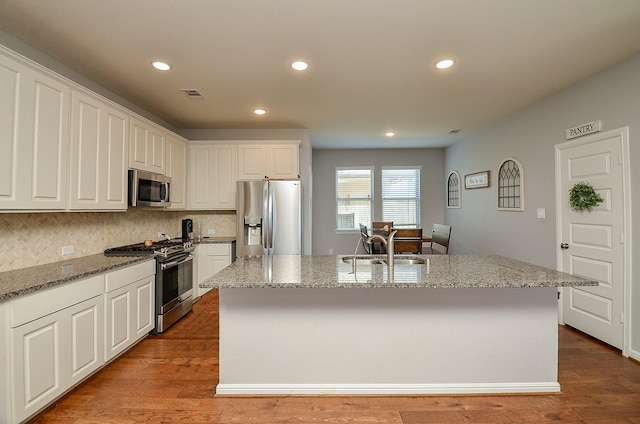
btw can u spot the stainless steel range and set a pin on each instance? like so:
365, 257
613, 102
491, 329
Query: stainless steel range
174, 277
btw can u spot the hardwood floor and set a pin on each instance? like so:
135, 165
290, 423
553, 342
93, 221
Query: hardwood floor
171, 378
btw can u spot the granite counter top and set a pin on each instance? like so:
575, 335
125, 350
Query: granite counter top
445, 271
26, 280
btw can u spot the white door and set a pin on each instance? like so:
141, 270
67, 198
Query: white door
593, 242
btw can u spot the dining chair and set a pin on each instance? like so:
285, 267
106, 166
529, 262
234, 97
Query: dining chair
364, 235
408, 240
440, 236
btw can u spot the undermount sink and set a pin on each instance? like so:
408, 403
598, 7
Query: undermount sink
376, 260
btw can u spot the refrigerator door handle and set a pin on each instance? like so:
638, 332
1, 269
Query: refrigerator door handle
270, 229
265, 218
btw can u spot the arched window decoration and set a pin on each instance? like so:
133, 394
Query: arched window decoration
454, 194
510, 186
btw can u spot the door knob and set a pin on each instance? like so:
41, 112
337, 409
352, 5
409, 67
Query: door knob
564, 245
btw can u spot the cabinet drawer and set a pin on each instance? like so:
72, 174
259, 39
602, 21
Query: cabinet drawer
44, 302
218, 249
120, 278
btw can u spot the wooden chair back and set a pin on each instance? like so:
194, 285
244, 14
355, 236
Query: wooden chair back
379, 225
408, 240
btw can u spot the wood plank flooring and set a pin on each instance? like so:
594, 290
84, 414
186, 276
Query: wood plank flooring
171, 378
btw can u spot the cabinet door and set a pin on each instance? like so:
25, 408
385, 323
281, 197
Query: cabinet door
99, 149
34, 138
177, 169
283, 161
37, 369
118, 335
144, 306
86, 339
224, 171
252, 162
200, 177
147, 147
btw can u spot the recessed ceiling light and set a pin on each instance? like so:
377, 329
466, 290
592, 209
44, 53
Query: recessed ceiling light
444, 64
299, 65
390, 133
259, 111
161, 66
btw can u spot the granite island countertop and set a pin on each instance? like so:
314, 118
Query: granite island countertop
444, 271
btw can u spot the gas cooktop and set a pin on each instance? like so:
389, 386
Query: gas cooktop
162, 248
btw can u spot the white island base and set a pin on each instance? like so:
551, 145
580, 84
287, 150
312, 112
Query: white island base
391, 341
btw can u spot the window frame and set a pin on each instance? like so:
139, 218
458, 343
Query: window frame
520, 186
448, 191
356, 228
418, 199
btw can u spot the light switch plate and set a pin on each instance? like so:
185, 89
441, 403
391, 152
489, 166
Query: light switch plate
211, 231
541, 213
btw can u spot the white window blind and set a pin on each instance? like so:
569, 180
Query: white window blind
401, 196
354, 199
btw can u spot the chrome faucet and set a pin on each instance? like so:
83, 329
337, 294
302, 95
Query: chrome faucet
388, 244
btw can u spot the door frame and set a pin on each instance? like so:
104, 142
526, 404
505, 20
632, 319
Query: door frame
623, 133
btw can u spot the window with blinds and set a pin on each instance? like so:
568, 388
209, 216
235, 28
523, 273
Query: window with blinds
354, 197
401, 196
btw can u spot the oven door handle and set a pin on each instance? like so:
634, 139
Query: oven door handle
168, 265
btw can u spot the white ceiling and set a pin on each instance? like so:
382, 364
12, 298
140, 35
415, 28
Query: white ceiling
371, 61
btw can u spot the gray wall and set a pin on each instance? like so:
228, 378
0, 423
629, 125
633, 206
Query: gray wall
324, 205
612, 96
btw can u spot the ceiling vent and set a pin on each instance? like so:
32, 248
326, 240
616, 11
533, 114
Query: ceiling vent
192, 93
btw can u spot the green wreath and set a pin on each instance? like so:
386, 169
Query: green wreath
582, 196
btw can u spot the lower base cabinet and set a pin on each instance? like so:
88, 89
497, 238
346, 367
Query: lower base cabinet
54, 352
129, 307
54, 338
211, 258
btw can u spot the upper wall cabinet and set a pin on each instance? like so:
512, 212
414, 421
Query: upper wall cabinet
147, 146
176, 167
212, 182
99, 154
275, 161
34, 137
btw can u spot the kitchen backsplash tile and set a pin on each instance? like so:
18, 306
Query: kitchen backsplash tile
29, 239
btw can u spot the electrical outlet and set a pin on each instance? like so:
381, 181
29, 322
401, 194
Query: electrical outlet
211, 231
67, 250
331, 251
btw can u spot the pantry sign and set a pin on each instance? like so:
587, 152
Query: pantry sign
584, 129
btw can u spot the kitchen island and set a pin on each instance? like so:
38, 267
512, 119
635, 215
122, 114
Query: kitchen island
459, 324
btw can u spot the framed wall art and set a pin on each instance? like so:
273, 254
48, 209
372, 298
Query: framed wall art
476, 180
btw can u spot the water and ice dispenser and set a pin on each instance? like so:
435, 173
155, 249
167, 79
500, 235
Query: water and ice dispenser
252, 230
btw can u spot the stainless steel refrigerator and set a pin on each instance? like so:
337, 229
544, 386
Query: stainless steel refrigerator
269, 218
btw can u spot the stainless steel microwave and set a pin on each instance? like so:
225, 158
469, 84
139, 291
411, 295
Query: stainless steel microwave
149, 190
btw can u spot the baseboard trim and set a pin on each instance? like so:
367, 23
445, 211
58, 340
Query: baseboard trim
385, 389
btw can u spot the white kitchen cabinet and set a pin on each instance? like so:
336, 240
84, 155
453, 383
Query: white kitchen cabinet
146, 146
56, 339
211, 258
99, 154
34, 136
275, 161
176, 168
129, 306
212, 182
